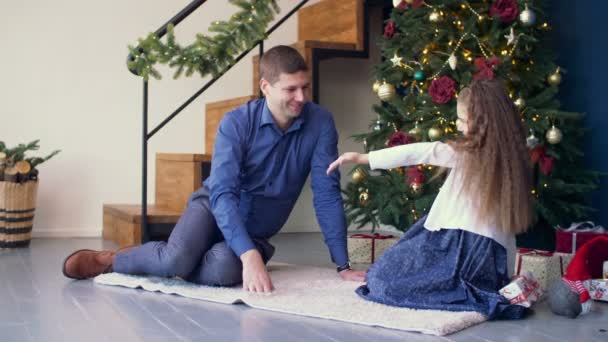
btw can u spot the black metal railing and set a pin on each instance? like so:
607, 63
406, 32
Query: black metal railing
184, 13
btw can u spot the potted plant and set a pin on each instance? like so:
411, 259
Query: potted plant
18, 186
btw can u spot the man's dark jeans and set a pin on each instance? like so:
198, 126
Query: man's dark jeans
196, 250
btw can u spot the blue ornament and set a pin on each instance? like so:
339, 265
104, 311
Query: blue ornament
419, 75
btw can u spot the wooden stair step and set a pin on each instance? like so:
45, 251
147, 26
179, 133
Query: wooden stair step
178, 175
132, 213
333, 21
214, 112
122, 222
326, 25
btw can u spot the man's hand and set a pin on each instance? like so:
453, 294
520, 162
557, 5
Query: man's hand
255, 275
348, 157
352, 275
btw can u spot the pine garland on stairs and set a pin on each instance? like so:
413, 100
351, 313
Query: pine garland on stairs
207, 54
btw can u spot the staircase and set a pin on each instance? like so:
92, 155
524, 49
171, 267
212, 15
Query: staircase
327, 29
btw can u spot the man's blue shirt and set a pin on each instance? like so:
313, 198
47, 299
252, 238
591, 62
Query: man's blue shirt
258, 171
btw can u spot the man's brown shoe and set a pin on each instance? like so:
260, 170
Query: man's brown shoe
87, 263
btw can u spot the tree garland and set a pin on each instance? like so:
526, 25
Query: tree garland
207, 54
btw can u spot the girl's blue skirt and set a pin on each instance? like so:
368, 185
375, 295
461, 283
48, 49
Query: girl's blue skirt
449, 269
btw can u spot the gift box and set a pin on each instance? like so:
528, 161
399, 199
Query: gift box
366, 248
544, 265
598, 289
569, 240
524, 290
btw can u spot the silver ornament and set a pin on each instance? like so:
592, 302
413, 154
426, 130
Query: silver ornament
511, 38
554, 135
377, 126
453, 61
527, 17
531, 140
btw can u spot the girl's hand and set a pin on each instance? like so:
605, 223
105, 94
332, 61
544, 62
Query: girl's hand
348, 157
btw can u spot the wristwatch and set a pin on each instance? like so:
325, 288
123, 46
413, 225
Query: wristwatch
343, 267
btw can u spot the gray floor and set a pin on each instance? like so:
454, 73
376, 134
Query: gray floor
38, 304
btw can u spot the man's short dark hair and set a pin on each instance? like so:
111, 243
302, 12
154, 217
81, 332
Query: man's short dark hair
279, 60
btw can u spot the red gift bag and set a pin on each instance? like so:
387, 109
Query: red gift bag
569, 240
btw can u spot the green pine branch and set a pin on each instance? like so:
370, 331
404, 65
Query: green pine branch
425, 46
208, 54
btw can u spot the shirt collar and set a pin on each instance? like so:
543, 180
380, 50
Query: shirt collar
267, 118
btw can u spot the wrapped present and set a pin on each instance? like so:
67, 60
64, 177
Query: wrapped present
569, 240
545, 266
564, 260
524, 290
598, 289
366, 248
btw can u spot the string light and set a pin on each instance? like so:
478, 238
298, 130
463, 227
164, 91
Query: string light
467, 5
446, 62
481, 47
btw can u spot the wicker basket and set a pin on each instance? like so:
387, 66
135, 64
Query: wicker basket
17, 204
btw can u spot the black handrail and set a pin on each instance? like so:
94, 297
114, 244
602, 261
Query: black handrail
146, 136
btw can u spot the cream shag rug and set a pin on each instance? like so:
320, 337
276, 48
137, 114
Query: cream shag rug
309, 291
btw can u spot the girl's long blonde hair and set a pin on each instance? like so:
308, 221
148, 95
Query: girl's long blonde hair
496, 164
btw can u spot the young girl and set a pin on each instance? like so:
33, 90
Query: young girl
458, 256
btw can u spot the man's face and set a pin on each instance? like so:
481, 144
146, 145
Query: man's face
286, 97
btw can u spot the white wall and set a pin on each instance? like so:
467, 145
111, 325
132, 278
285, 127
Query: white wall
64, 81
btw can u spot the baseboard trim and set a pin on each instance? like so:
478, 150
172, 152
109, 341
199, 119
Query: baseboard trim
67, 233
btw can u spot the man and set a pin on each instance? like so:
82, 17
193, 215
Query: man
263, 153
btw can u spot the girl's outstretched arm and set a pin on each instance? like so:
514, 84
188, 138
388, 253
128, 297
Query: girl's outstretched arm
348, 157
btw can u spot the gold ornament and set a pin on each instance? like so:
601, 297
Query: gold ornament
416, 132
519, 103
555, 78
409, 2
364, 198
358, 176
554, 135
435, 17
435, 133
376, 86
386, 91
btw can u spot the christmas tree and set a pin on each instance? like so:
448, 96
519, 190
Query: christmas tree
431, 50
